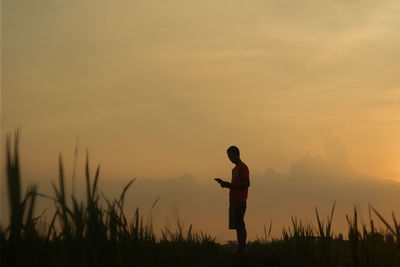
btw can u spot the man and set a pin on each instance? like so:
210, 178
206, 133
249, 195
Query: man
237, 195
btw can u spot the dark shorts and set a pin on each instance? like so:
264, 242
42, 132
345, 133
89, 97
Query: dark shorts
236, 215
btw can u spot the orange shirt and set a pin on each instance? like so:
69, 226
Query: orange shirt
240, 173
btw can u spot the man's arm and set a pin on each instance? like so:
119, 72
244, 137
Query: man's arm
222, 183
245, 184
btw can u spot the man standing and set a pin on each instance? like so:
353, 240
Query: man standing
237, 195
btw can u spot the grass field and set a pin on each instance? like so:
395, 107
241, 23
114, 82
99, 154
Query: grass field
96, 232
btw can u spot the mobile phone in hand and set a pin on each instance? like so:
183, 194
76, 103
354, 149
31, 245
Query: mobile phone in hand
219, 180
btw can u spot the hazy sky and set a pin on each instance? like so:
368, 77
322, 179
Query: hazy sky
159, 89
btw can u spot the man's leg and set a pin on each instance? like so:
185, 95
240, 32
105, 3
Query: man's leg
241, 235
241, 232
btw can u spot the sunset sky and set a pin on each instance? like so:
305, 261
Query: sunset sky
159, 89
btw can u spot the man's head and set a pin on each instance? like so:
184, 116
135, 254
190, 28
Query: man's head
234, 154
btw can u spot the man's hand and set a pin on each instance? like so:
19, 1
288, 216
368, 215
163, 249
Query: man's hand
222, 183
225, 184
219, 180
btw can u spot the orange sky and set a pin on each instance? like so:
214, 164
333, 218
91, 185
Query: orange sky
157, 89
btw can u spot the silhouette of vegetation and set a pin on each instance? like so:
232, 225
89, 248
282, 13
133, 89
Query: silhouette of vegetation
97, 232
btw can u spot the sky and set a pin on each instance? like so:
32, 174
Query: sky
157, 90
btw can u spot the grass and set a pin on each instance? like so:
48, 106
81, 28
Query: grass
96, 232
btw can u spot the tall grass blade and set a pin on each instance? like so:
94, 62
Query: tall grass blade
384, 221
122, 196
75, 163
14, 187
96, 179
320, 224
87, 175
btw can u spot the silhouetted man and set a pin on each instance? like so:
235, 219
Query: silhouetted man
237, 195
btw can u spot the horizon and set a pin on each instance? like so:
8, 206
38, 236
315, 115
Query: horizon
194, 202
